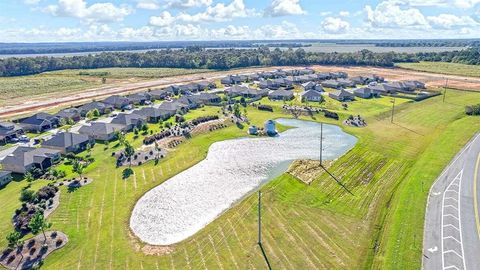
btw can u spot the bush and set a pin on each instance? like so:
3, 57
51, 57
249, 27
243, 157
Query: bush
265, 108
27, 195
473, 110
332, 115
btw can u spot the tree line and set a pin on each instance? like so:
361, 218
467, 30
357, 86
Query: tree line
221, 59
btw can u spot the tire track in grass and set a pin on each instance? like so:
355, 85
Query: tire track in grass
79, 204
215, 252
187, 259
79, 264
240, 242
100, 220
144, 178
229, 250
202, 260
269, 250
134, 180
171, 262
113, 218
271, 239
294, 238
154, 176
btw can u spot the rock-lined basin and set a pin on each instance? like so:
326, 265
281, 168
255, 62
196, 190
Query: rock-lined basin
187, 202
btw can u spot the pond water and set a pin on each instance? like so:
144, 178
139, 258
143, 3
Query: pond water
187, 202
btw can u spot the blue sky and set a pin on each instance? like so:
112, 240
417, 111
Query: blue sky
157, 20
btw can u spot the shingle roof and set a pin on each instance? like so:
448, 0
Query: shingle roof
24, 155
37, 119
66, 139
100, 128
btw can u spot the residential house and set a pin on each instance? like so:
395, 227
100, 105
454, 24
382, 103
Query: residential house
283, 82
5, 178
101, 131
103, 108
281, 95
365, 92
358, 80
344, 83
207, 98
331, 84
413, 85
68, 142
174, 89
205, 85
153, 115
312, 86
253, 77
160, 94
341, 95
311, 96
383, 88
129, 120
245, 92
338, 75
69, 113
189, 101
118, 102
324, 76
140, 98
39, 122
8, 131
24, 159
189, 88
172, 107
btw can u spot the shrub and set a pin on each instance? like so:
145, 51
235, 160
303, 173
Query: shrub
59, 242
265, 108
473, 110
27, 195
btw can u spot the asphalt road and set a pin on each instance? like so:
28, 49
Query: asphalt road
452, 225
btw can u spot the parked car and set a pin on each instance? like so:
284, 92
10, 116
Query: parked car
24, 138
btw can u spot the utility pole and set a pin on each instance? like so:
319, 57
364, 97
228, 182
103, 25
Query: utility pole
445, 90
321, 144
393, 109
260, 230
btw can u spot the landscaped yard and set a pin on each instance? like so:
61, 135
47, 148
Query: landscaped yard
380, 226
443, 68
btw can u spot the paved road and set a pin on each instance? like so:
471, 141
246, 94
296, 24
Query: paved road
452, 225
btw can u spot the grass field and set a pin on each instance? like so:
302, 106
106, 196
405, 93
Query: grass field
380, 226
75, 80
443, 68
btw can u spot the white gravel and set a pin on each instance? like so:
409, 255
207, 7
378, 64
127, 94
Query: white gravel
187, 202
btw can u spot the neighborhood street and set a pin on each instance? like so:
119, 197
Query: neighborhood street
452, 227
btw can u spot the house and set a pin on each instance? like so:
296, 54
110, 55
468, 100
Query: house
324, 76
139, 98
311, 95
68, 142
345, 83
269, 127
205, 85
268, 84
412, 85
5, 178
101, 131
358, 80
69, 113
382, 88
207, 98
365, 92
189, 101
281, 95
338, 75
302, 79
129, 120
189, 88
160, 94
174, 89
331, 84
172, 107
118, 102
372, 78
244, 91
95, 105
8, 131
153, 115
39, 122
234, 79
253, 77
341, 95
24, 159
227, 80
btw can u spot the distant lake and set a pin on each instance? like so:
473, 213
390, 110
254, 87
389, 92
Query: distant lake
316, 47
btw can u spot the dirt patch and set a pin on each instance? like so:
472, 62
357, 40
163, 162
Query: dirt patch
307, 170
33, 250
149, 249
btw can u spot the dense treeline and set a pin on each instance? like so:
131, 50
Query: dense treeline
197, 57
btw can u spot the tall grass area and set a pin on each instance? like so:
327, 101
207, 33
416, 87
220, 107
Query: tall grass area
123, 73
378, 225
443, 68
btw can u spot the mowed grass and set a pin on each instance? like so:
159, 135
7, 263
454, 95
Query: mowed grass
71, 81
320, 226
443, 68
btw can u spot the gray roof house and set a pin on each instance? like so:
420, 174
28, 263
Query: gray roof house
341, 95
171, 107
69, 113
338, 75
139, 98
160, 94
345, 82
365, 92
100, 106
129, 120
189, 101
413, 85
101, 131
39, 122
382, 88
245, 92
311, 95
5, 177
68, 142
207, 98
331, 84
8, 131
153, 115
118, 102
174, 89
23, 159
281, 95
206, 85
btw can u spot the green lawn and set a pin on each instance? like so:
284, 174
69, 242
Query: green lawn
380, 226
443, 68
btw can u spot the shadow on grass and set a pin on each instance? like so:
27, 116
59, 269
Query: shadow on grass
411, 130
336, 180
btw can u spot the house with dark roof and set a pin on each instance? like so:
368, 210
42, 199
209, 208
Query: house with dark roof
382, 88
24, 159
207, 98
311, 96
69, 113
8, 131
5, 178
172, 107
68, 142
413, 85
139, 98
100, 106
344, 83
245, 92
129, 120
39, 122
101, 131
365, 92
341, 95
281, 95
118, 102
324, 76
338, 75
205, 85
174, 89
153, 115
313, 86
160, 94
331, 84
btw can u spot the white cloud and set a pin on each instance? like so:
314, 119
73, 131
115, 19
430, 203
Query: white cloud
148, 4
344, 13
31, 2
448, 21
325, 13
97, 12
165, 19
335, 25
284, 8
395, 13
188, 3
466, 3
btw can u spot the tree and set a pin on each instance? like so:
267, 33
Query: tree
38, 223
236, 110
62, 122
88, 148
78, 167
96, 113
27, 195
29, 176
129, 152
90, 115
14, 241
120, 137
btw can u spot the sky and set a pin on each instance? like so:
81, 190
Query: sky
161, 20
